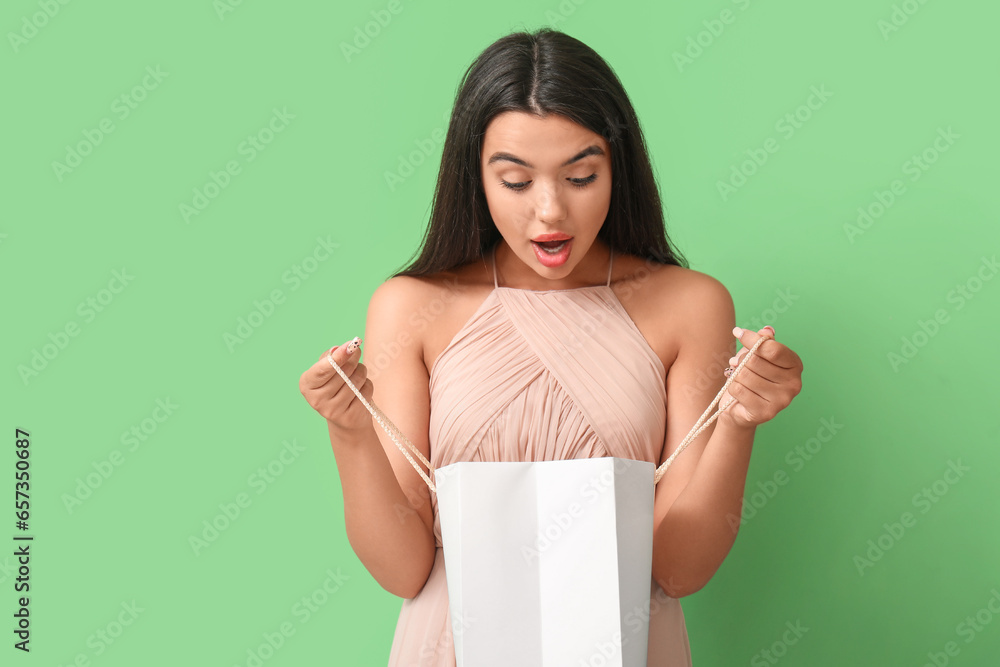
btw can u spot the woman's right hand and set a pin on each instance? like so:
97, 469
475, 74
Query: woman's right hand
328, 394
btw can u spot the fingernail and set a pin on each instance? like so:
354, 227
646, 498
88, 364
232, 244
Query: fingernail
771, 328
737, 332
353, 345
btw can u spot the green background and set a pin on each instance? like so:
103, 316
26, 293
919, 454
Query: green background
848, 301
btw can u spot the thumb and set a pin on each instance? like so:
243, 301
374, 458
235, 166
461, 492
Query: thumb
346, 351
341, 354
747, 338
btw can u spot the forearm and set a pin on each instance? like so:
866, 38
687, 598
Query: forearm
397, 548
700, 527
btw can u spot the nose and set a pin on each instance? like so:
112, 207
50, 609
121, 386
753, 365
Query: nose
549, 206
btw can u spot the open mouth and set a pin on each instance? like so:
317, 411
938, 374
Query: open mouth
553, 253
551, 247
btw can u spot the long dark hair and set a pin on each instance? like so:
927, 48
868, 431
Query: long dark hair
543, 72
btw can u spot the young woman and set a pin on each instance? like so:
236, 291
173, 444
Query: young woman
546, 317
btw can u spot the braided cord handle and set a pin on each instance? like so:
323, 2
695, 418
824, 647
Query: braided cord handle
696, 429
389, 427
396, 434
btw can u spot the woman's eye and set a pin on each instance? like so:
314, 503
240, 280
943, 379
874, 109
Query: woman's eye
578, 182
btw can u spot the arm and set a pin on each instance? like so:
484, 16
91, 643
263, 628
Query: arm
699, 500
387, 511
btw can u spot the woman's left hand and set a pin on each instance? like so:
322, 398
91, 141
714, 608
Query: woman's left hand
766, 385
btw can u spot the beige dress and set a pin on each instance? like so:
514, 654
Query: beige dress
541, 376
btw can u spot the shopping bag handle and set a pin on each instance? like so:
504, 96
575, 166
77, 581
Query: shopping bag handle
396, 434
389, 427
693, 433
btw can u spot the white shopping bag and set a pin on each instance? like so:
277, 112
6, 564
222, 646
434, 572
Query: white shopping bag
544, 559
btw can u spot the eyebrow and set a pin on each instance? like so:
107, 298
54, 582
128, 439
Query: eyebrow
589, 150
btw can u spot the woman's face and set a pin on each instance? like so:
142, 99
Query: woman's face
547, 177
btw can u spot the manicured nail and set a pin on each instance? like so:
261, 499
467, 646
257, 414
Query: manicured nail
737, 332
771, 328
353, 345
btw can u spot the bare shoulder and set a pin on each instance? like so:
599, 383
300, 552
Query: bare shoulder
386, 330
671, 304
425, 312
699, 296
395, 294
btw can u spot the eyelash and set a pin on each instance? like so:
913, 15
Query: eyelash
576, 182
